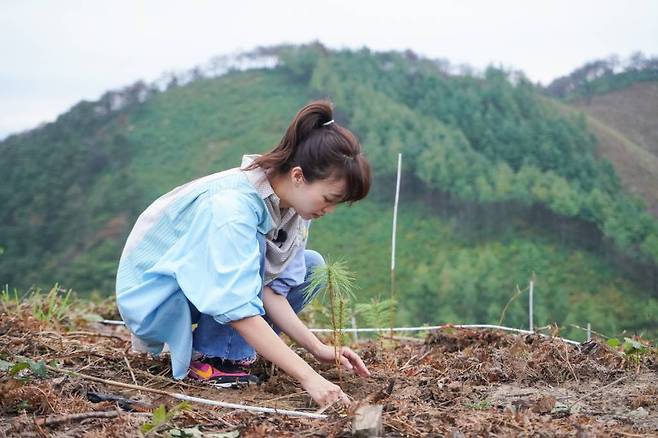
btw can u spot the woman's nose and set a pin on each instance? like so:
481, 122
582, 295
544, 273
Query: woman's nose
328, 209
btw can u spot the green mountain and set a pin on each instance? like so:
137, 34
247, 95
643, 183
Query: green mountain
498, 183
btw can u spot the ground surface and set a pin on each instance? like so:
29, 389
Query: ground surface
453, 383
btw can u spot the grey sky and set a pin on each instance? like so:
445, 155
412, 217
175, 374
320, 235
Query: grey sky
56, 53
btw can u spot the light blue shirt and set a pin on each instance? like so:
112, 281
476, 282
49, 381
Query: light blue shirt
199, 242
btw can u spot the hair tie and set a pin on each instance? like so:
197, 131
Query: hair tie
328, 123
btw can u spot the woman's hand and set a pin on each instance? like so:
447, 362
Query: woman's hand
348, 359
323, 391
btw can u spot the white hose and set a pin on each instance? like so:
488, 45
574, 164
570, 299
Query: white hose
412, 329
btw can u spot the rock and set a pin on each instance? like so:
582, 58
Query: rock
639, 413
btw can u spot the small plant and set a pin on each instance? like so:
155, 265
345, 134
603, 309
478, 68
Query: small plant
337, 283
9, 299
375, 311
481, 405
162, 417
54, 306
14, 369
634, 350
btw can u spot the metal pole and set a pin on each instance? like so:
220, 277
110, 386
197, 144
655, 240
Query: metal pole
589, 332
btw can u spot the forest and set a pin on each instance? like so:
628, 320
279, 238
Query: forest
499, 186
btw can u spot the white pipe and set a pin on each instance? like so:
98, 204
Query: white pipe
180, 396
246, 407
421, 328
356, 338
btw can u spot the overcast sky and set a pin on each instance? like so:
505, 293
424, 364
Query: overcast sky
56, 53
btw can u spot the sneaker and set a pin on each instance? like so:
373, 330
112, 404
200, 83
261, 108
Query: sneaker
221, 373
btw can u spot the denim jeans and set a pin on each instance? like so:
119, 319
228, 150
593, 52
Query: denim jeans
213, 339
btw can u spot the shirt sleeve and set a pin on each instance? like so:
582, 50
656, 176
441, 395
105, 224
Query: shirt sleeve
219, 268
292, 276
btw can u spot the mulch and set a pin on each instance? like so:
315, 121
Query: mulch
455, 382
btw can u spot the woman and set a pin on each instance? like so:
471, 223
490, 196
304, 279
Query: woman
227, 252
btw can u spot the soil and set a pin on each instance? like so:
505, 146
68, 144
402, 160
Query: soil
455, 382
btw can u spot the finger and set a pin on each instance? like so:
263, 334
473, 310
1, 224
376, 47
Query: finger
357, 363
345, 362
345, 399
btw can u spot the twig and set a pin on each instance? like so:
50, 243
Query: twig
404, 339
294, 394
46, 398
566, 353
629, 434
102, 335
80, 333
52, 420
514, 296
594, 332
90, 364
324, 408
598, 390
424, 355
404, 367
130, 369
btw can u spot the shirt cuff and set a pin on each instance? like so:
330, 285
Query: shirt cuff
252, 308
280, 287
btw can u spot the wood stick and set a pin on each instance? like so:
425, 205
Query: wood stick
130, 369
52, 420
598, 390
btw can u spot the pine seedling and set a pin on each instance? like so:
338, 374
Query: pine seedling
374, 313
335, 282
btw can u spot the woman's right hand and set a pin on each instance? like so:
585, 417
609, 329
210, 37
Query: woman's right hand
323, 391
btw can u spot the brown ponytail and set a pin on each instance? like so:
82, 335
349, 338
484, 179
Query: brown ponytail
323, 150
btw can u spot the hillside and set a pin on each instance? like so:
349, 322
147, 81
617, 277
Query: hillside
625, 123
497, 186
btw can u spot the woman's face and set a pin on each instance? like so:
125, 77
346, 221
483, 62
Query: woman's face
314, 200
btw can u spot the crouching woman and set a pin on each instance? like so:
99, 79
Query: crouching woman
228, 252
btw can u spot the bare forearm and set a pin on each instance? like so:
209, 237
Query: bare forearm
260, 335
279, 311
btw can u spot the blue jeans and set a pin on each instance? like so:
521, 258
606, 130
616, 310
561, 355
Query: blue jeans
221, 340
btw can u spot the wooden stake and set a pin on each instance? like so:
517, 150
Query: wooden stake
368, 421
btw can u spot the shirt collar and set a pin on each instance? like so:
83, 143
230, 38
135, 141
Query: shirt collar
258, 178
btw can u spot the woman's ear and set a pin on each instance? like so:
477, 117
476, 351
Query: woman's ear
297, 175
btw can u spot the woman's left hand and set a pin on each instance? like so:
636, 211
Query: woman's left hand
348, 359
